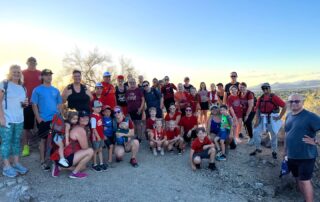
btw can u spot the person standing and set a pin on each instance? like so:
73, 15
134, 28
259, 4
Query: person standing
234, 82
168, 93
31, 79
153, 98
204, 103
187, 86
109, 92
46, 102
220, 92
301, 130
121, 90
268, 119
13, 99
77, 94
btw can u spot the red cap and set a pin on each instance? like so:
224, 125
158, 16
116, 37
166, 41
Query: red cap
120, 77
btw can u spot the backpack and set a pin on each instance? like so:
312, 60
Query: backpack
276, 107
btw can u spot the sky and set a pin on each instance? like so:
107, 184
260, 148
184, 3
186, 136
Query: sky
264, 41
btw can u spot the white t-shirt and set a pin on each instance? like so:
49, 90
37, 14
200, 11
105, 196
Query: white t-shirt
15, 95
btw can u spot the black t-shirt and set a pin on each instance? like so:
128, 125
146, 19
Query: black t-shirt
121, 96
187, 88
227, 87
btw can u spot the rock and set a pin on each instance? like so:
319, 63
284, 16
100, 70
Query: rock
11, 182
176, 198
258, 185
20, 180
270, 191
2, 185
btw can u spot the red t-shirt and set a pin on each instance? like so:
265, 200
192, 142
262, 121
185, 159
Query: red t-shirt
109, 95
158, 135
194, 102
96, 122
234, 102
134, 99
171, 134
31, 79
197, 146
174, 117
267, 106
188, 122
100, 99
167, 91
244, 101
150, 124
182, 98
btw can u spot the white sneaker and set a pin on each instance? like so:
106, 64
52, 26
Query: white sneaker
64, 162
155, 153
250, 142
238, 140
162, 152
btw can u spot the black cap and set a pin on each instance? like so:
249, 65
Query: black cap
31, 59
83, 114
46, 71
265, 85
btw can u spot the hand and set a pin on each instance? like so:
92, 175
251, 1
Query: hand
256, 123
193, 167
204, 147
309, 140
67, 142
139, 111
2, 121
119, 134
189, 133
39, 120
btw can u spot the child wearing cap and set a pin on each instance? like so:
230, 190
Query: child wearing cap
223, 135
97, 136
108, 130
158, 139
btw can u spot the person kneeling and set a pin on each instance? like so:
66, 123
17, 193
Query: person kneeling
202, 148
173, 137
157, 138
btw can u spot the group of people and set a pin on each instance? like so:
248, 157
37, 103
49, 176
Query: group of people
166, 116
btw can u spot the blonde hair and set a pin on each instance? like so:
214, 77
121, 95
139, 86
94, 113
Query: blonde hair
71, 113
10, 74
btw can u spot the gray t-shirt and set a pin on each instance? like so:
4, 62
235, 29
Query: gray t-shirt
296, 127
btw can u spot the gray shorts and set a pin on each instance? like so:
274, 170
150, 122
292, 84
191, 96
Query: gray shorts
97, 144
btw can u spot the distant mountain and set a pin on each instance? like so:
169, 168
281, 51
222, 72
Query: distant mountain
291, 85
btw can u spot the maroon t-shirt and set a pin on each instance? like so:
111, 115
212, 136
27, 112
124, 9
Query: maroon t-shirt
134, 99
167, 91
244, 101
234, 102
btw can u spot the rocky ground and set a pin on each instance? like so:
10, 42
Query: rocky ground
161, 178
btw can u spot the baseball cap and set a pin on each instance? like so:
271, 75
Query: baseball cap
99, 84
214, 106
83, 114
120, 77
265, 85
106, 107
97, 104
31, 59
106, 74
46, 71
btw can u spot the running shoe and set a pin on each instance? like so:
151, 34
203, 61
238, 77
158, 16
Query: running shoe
96, 168
26, 151
45, 167
78, 175
20, 169
55, 170
212, 166
134, 162
9, 172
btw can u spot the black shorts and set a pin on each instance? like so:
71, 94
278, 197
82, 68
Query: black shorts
43, 129
301, 168
203, 155
69, 159
193, 135
204, 105
135, 116
110, 141
29, 118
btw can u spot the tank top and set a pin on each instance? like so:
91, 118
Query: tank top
121, 96
214, 127
79, 101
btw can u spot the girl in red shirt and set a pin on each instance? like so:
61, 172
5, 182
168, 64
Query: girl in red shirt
172, 115
158, 139
173, 137
235, 108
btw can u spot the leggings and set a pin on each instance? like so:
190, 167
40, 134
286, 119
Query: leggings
11, 140
248, 124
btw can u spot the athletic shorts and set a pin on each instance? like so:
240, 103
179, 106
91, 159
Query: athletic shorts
97, 144
203, 155
69, 159
168, 102
29, 118
44, 129
301, 168
224, 134
204, 105
109, 141
135, 116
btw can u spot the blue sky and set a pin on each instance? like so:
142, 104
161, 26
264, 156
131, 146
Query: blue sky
256, 38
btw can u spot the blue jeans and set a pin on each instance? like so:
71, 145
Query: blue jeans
11, 140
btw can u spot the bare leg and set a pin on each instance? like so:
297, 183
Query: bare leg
110, 153
212, 153
223, 147
100, 156
81, 158
42, 148
307, 190
134, 148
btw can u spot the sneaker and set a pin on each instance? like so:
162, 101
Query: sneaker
274, 155
162, 152
155, 153
55, 170
45, 167
118, 160
179, 151
134, 162
255, 152
222, 158
250, 142
9, 172
103, 167
241, 135
26, 151
64, 162
78, 175
96, 168
198, 166
212, 166
20, 169
238, 140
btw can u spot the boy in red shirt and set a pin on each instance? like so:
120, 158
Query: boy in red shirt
158, 138
97, 136
151, 121
188, 124
202, 148
173, 137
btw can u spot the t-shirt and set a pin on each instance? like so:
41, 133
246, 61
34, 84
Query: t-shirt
234, 102
171, 134
134, 99
296, 127
158, 135
182, 98
109, 94
15, 95
174, 117
167, 91
194, 102
107, 126
197, 145
47, 98
188, 122
31, 79
100, 99
150, 124
152, 98
203, 95
187, 88
96, 123
268, 105
244, 101
121, 96
227, 87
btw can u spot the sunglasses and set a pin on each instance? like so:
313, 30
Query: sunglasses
294, 101
117, 111
233, 76
265, 88
146, 85
188, 110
